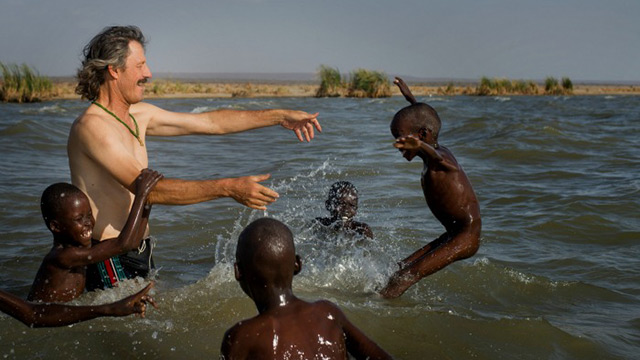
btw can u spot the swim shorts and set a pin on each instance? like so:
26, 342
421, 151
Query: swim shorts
106, 274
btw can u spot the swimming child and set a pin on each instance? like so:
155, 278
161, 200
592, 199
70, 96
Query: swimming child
446, 189
286, 327
342, 204
67, 214
53, 315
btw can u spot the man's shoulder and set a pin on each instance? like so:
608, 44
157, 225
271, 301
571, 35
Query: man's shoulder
86, 122
143, 110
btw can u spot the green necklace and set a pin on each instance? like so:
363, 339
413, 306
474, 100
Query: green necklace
135, 134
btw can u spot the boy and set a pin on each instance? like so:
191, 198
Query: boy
52, 315
286, 326
67, 213
447, 190
342, 204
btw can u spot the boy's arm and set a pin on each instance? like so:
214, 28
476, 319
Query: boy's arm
128, 239
52, 315
358, 344
411, 142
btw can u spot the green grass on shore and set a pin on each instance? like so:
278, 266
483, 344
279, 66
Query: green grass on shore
22, 84
361, 83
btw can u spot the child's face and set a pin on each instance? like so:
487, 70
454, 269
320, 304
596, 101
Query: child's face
76, 221
402, 130
346, 205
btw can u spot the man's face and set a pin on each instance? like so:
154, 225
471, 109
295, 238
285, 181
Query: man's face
133, 77
75, 222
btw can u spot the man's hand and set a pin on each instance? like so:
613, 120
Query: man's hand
248, 192
301, 123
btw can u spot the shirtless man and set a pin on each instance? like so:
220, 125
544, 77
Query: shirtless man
447, 190
106, 145
286, 327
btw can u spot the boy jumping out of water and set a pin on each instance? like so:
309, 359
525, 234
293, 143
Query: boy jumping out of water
52, 315
67, 213
447, 190
286, 327
342, 204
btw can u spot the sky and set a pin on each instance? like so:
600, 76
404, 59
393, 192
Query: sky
585, 40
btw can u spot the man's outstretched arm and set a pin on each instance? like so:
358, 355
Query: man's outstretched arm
246, 190
226, 121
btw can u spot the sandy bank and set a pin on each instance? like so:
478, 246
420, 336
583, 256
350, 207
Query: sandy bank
164, 89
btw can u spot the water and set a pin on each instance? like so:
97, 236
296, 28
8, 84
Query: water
557, 275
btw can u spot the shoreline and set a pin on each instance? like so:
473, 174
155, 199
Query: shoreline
161, 89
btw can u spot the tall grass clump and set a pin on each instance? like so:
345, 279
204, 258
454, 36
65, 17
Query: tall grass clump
20, 83
367, 83
553, 87
331, 84
567, 85
490, 87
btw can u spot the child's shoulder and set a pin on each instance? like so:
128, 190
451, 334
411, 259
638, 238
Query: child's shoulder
326, 308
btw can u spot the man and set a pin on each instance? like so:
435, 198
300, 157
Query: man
106, 145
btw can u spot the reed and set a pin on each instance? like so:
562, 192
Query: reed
331, 84
367, 83
22, 84
567, 85
492, 87
553, 87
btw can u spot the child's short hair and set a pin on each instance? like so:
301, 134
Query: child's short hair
337, 191
417, 116
51, 202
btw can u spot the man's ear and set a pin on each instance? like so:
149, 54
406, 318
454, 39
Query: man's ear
112, 71
236, 271
297, 265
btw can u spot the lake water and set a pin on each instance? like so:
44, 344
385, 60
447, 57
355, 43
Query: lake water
557, 275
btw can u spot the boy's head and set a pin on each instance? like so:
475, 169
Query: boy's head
417, 119
342, 201
67, 213
265, 256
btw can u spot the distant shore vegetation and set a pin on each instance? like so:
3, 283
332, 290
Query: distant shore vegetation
23, 84
361, 83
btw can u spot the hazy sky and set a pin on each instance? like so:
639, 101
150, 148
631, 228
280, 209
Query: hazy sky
523, 39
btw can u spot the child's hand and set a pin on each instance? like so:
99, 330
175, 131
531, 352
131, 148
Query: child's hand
409, 142
146, 181
136, 303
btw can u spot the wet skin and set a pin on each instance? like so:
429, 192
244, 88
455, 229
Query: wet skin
286, 327
53, 315
343, 210
62, 274
452, 201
